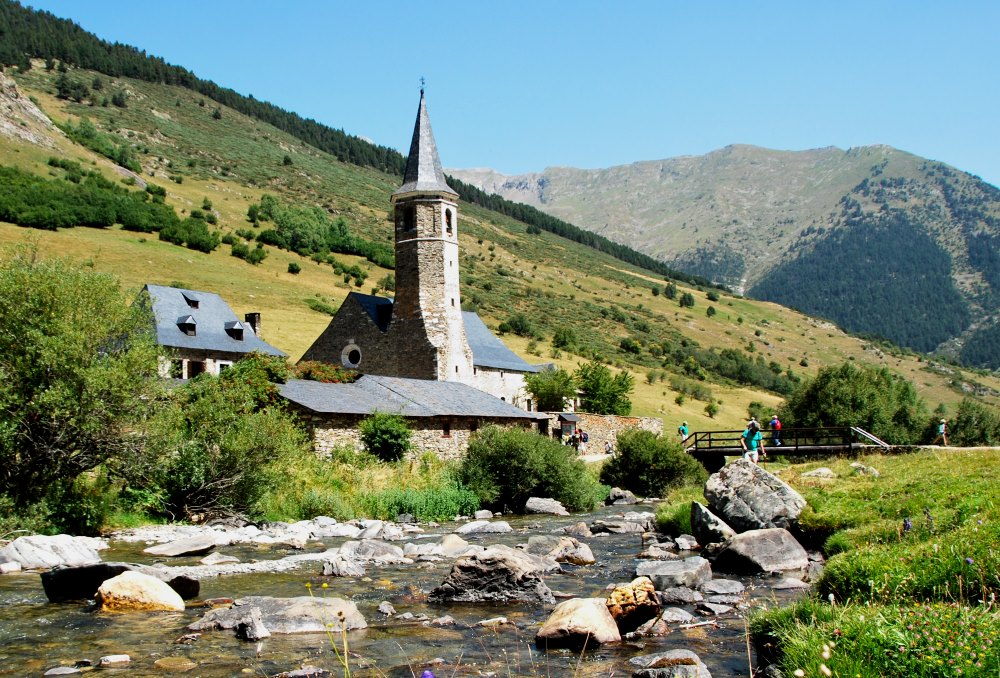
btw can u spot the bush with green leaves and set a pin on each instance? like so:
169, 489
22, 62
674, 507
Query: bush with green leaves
650, 465
387, 436
875, 399
435, 503
505, 467
975, 424
604, 392
218, 445
78, 366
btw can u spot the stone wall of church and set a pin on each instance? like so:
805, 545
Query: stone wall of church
502, 384
603, 428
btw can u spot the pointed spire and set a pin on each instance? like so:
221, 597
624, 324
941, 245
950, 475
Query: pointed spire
423, 166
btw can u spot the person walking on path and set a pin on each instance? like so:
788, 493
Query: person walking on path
752, 442
775, 431
942, 433
682, 431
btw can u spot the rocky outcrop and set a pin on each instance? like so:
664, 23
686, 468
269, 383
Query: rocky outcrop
756, 551
747, 497
134, 591
82, 582
578, 623
303, 614
498, 574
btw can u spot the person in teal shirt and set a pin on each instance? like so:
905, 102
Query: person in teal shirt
752, 442
682, 430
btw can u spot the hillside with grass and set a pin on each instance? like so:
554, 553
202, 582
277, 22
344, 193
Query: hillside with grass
689, 346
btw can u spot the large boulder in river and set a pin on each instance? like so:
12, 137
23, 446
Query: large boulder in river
690, 572
197, 545
562, 549
302, 614
81, 582
756, 551
499, 574
708, 528
131, 591
40, 552
670, 664
541, 505
747, 497
578, 623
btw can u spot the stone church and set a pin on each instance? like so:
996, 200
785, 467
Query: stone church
423, 333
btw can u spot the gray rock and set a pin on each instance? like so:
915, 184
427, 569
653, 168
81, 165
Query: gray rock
373, 551
62, 671
446, 620
136, 591
216, 558
343, 567
772, 550
619, 526
337, 530
707, 527
303, 614
788, 584
659, 552
10, 567
685, 542
813, 572
190, 546
62, 584
111, 659
733, 599
498, 574
670, 664
679, 595
579, 530
386, 608
561, 549
620, 497
484, 527
40, 552
689, 572
483, 514
578, 623
251, 627
722, 586
822, 472
675, 615
747, 497
405, 518
712, 609
863, 470
547, 506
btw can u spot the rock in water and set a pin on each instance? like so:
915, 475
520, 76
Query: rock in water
81, 582
756, 551
39, 552
670, 664
707, 527
302, 614
578, 623
540, 505
633, 604
747, 497
498, 574
690, 572
136, 591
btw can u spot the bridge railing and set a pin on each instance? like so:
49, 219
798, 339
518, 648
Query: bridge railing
792, 440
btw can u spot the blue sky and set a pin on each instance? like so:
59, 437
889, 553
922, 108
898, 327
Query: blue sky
522, 85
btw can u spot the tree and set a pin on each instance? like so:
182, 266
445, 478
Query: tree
386, 436
687, 300
78, 367
564, 337
650, 465
604, 393
550, 388
874, 399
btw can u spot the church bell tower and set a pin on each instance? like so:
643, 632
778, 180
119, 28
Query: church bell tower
427, 324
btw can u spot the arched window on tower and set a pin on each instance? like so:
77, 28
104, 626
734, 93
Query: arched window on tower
409, 218
448, 226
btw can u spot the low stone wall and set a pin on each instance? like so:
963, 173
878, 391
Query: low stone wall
602, 428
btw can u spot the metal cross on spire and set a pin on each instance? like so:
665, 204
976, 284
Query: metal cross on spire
423, 81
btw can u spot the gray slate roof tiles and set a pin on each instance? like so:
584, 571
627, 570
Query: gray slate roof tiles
408, 397
212, 317
423, 166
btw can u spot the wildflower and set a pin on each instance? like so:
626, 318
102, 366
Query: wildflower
825, 670
325, 585
969, 561
798, 673
907, 524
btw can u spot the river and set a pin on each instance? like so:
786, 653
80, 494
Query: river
36, 636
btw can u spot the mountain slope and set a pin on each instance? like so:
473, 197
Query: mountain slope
751, 218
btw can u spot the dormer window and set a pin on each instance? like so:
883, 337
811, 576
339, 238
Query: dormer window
191, 300
188, 325
235, 330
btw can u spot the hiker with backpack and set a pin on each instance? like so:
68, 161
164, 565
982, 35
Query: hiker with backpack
775, 430
752, 442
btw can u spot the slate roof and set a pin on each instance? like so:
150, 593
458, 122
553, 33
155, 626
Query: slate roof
212, 318
488, 350
423, 166
408, 397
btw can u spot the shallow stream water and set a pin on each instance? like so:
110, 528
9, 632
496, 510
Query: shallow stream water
36, 635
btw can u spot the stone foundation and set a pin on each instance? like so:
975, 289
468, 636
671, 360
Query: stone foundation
601, 428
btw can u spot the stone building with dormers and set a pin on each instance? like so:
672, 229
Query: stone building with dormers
423, 332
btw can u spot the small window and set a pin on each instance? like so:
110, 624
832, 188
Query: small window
409, 218
235, 330
446, 429
188, 325
453, 301
224, 365
456, 369
350, 357
449, 229
195, 367
191, 301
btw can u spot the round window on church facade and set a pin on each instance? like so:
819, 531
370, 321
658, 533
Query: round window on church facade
351, 356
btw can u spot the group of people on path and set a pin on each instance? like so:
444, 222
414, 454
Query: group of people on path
752, 439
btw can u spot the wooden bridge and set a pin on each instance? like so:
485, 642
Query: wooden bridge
712, 447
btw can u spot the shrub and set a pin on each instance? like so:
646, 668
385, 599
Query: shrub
328, 373
650, 465
604, 393
437, 503
518, 324
387, 436
975, 425
294, 268
505, 467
